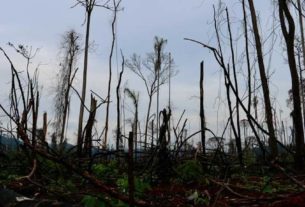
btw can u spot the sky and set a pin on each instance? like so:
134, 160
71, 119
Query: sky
41, 24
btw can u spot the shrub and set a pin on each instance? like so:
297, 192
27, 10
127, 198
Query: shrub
190, 171
103, 171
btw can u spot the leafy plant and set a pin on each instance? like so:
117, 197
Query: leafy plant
267, 187
190, 171
103, 171
63, 185
91, 201
140, 185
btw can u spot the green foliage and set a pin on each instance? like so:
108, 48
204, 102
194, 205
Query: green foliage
90, 201
140, 185
103, 171
249, 157
62, 185
267, 188
190, 171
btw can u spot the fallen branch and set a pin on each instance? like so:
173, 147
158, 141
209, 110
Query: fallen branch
31, 173
277, 166
85, 174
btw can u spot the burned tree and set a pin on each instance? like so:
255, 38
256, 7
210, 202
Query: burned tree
154, 70
89, 5
134, 96
268, 108
70, 49
116, 5
288, 29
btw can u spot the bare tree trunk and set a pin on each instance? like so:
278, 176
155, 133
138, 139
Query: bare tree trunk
147, 120
169, 97
254, 129
303, 50
285, 17
45, 126
301, 88
135, 132
119, 132
83, 97
152, 133
202, 117
268, 109
247, 56
158, 92
88, 128
131, 186
238, 137
71, 56
115, 5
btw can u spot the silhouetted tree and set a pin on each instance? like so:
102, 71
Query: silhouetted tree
89, 5
288, 29
116, 4
134, 96
154, 70
70, 50
268, 108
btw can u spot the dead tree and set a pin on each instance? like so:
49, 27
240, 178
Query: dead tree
119, 141
149, 71
303, 52
288, 30
116, 5
89, 127
70, 49
131, 185
202, 116
89, 5
135, 100
236, 129
268, 108
163, 165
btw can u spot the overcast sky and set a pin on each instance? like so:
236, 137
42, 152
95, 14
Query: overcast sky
41, 23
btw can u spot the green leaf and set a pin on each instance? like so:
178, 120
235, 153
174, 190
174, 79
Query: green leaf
90, 201
268, 189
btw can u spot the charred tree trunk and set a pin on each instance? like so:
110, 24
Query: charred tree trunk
238, 137
303, 51
288, 33
115, 6
89, 127
131, 186
83, 97
268, 108
45, 126
119, 132
202, 116
163, 168
147, 119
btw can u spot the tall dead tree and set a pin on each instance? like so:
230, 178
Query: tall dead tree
260, 59
236, 128
303, 52
146, 70
202, 116
89, 127
135, 100
158, 49
89, 5
70, 49
116, 5
288, 30
119, 141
